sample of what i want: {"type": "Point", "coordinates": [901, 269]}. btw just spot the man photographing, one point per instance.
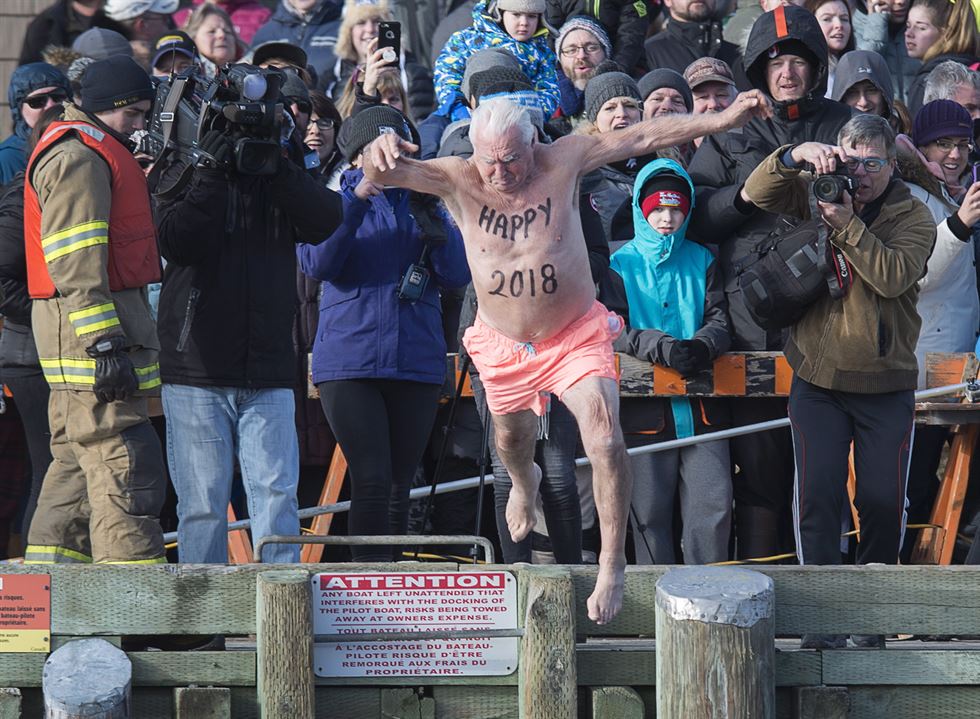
{"type": "Point", "coordinates": [853, 357]}
{"type": "Point", "coordinates": [91, 250]}
{"type": "Point", "coordinates": [539, 329]}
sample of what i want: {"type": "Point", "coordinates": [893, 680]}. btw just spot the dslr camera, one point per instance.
{"type": "Point", "coordinates": [831, 188]}
{"type": "Point", "coordinates": [242, 101]}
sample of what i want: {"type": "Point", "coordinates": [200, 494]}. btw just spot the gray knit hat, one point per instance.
{"type": "Point", "coordinates": [665, 77]}
{"type": "Point", "coordinates": [591, 26]}
{"type": "Point", "coordinates": [528, 6]}
{"type": "Point", "coordinates": [99, 43]}
{"type": "Point", "coordinates": [370, 123]}
{"type": "Point", "coordinates": [485, 60]}
{"type": "Point", "coordinates": [605, 87]}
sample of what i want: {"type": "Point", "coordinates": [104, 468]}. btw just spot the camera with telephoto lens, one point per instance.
{"type": "Point", "coordinates": [831, 188]}
{"type": "Point", "coordinates": [242, 101]}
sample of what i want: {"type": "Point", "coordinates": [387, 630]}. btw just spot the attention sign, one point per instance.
{"type": "Point", "coordinates": [414, 602]}
{"type": "Point", "coordinates": [25, 613]}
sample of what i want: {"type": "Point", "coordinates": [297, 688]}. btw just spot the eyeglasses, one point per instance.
{"type": "Point", "coordinates": [38, 102]}
{"type": "Point", "coordinates": [871, 164]}
{"type": "Point", "coordinates": [324, 124]}
{"type": "Point", "coordinates": [590, 48]}
{"type": "Point", "coordinates": [947, 146]}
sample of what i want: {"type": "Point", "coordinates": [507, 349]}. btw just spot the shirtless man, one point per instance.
{"type": "Point", "coordinates": [539, 328]}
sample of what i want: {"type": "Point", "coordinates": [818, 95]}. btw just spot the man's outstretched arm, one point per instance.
{"type": "Point", "coordinates": [648, 136]}
{"type": "Point", "coordinates": [387, 161]}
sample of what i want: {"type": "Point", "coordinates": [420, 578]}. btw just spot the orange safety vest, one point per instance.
{"type": "Point", "coordinates": [134, 260]}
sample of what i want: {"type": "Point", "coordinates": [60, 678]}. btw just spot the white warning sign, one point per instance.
{"type": "Point", "coordinates": [414, 602]}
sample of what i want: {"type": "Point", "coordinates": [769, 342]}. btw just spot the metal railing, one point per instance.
{"type": "Point", "coordinates": [972, 391]}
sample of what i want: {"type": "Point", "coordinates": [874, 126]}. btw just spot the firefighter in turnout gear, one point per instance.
{"type": "Point", "coordinates": [91, 250]}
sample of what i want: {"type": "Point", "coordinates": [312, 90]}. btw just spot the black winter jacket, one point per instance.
{"type": "Point", "coordinates": [681, 43]}
{"type": "Point", "coordinates": [18, 353]}
{"type": "Point", "coordinates": [59, 25]}
{"type": "Point", "coordinates": [626, 22]}
{"type": "Point", "coordinates": [229, 288]}
{"type": "Point", "coordinates": [918, 88]}
{"type": "Point", "coordinates": [723, 162]}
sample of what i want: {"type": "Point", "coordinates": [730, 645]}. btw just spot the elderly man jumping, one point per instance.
{"type": "Point", "coordinates": [540, 329]}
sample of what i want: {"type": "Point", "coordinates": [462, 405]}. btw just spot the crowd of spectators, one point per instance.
{"type": "Point", "coordinates": [261, 270]}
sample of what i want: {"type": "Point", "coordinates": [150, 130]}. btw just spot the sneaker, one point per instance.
{"type": "Point", "coordinates": [868, 641]}
{"type": "Point", "coordinates": [823, 641]}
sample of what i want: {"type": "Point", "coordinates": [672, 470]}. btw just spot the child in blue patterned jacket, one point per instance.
{"type": "Point", "coordinates": [517, 26]}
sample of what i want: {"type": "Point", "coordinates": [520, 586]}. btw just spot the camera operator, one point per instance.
{"type": "Point", "coordinates": [91, 251]}
{"type": "Point", "coordinates": [853, 357]}
{"type": "Point", "coordinates": [225, 323]}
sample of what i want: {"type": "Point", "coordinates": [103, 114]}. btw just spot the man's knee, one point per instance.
{"type": "Point", "coordinates": [510, 439]}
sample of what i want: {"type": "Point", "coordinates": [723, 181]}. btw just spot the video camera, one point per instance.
{"type": "Point", "coordinates": [242, 101]}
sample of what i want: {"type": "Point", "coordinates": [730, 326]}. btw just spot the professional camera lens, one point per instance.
{"type": "Point", "coordinates": [830, 188]}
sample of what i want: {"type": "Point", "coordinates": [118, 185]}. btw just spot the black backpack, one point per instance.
{"type": "Point", "coordinates": [790, 270]}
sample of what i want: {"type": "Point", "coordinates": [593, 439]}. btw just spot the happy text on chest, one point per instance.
{"type": "Point", "coordinates": [511, 226]}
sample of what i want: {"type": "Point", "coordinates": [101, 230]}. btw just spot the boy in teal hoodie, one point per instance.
{"type": "Point", "coordinates": [671, 293]}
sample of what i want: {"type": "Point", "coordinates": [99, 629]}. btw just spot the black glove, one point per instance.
{"type": "Point", "coordinates": [217, 151]}
{"type": "Point", "coordinates": [679, 358]}
{"type": "Point", "coordinates": [700, 355]}
{"type": "Point", "coordinates": [115, 377]}
{"type": "Point", "coordinates": [425, 209]}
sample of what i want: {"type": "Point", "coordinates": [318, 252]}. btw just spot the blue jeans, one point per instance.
{"type": "Point", "coordinates": [207, 427]}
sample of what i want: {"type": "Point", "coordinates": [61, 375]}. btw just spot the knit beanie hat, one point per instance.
{"type": "Point", "coordinates": [497, 80]}
{"type": "Point", "coordinates": [941, 118]}
{"type": "Point", "coordinates": [527, 6]}
{"type": "Point", "coordinates": [665, 189]}
{"type": "Point", "coordinates": [484, 60]}
{"type": "Point", "coordinates": [665, 77]}
{"type": "Point", "coordinates": [590, 25]}
{"type": "Point", "coordinates": [114, 82]}
{"type": "Point", "coordinates": [370, 123]}
{"type": "Point", "coordinates": [99, 43]}
{"type": "Point", "coordinates": [604, 87]}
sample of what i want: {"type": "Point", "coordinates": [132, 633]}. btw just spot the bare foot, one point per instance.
{"type": "Point", "coordinates": [520, 507]}
{"type": "Point", "coordinates": [607, 598]}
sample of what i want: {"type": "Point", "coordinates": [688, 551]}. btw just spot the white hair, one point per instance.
{"type": "Point", "coordinates": [943, 82]}
{"type": "Point", "coordinates": [497, 116]}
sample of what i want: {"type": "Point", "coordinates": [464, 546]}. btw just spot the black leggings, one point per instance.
{"type": "Point", "coordinates": [383, 427]}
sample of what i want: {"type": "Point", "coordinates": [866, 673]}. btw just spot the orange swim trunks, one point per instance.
{"type": "Point", "coordinates": [521, 375]}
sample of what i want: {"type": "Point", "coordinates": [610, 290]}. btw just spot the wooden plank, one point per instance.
{"type": "Point", "coordinates": [821, 702]}
{"type": "Point", "coordinates": [284, 645]}
{"type": "Point", "coordinates": [901, 667]}
{"type": "Point", "coordinates": [239, 545]}
{"type": "Point", "coordinates": [620, 702]}
{"type": "Point", "coordinates": [918, 702]}
{"type": "Point", "coordinates": [202, 703]}
{"type": "Point", "coordinates": [944, 368]}
{"type": "Point", "coordinates": [405, 703]}
{"type": "Point", "coordinates": [484, 703]}
{"type": "Point", "coordinates": [844, 600]}
{"type": "Point", "coordinates": [356, 703]}
{"type": "Point", "coordinates": [169, 669]}
{"type": "Point", "coordinates": [171, 598]}
{"type": "Point", "coordinates": [10, 703]}
{"type": "Point", "coordinates": [330, 493]}
{"type": "Point", "coordinates": [547, 681]}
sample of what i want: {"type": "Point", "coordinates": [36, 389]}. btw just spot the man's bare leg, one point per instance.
{"type": "Point", "coordinates": [595, 403]}
{"type": "Point", "coordinates": [515, 435]}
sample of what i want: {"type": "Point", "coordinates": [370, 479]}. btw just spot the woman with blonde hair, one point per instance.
{"type": "Point", "coordinates": [936, 31]}
{"type": "Point", "coordinates": [360, 63]}
{"type": "Point", "coordinates": [213, 32]}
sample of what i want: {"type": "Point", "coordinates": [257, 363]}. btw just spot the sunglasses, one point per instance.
{"type": "Point", "coordinates": [38, 102]}
{"type": "Point", "coordinates": [302, 106]}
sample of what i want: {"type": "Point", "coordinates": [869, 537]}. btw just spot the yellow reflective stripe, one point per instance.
{"type": "Point", "coordinates": [156, 560]}
{"type": "Point", "coordinates": [92, 319]}
{"type": "Point", "coordinates": [53, 550]}
{"type": "Point", "coordinates": [71, 370]}
{"type": "Point", "coordinates": [75, 238]}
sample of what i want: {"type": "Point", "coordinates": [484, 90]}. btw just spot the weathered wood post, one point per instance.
{"type": "Point", "coordinates": [548, 680]}
{"type": "Point", "coordinates": [87, 678]}
{"type": "Point", "coordinates": [284, 645]}
{"type": "Point", "coordinates": [715, 644]}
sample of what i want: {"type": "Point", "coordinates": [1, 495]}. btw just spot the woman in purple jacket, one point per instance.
{"type": "Point", "coordinates": [380, 358]}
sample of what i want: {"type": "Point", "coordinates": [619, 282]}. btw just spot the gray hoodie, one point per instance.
{"type": "Point", "coordinates": [858, 65]}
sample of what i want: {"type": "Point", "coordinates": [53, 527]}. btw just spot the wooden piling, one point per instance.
{"type": "Point", "coordinates": [715, 644]}
{"type": "Point", "coordinates": [284, 645]}
{"type": "Point", "coordinates": [547, 683]}
{"type": "Point", "coordinates": [87, 678]}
